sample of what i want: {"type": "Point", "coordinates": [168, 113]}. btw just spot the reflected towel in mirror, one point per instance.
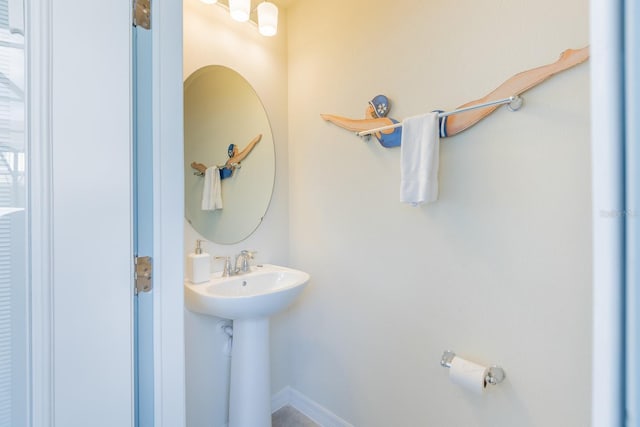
{"type": "Point", "coordinates": [212, 190]}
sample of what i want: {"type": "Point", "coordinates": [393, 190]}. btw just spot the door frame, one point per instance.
{"type": "Point", "coordinates": [613, 217]}
{"type": "Point", "coordinates": [168, 199]}
{"type": "Point", "coordinates": [38, 133]}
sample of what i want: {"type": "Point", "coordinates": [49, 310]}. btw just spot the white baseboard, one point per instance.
{"type": "Point", "coordinates": [319, 414]}
{"type": "Point", "coordinates": [281, 399]}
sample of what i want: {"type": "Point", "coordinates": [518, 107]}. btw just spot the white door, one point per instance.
{"type": "Point", "coordinates": [91, 213]}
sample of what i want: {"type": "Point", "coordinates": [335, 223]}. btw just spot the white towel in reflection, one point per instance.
{"type": "Point", "coordinates": [212, 190]}
{"type": "Point", "coordinates": [419, 157]}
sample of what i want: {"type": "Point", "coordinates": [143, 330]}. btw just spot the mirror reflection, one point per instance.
{"type": "Point", "coordinates": [228, 153]}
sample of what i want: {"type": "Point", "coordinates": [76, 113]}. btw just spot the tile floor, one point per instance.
{"type": "Point", "coordinates": [290, 417]}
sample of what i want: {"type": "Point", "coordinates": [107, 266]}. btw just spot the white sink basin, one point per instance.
{"type": "Point", "coordinates": [266, 290]}
{"type": "Point", "coordinates": [248, 299]}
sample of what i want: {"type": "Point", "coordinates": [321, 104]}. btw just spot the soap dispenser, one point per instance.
{"type": "Point", "coordinates": [198, 265]}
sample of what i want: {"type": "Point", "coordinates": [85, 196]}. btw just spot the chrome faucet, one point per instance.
{"type": "Point", "coordinates": [242, 262]}
{"type": "Point", "coordinates": [227, 271]}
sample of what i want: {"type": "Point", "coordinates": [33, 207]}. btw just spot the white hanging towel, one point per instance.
{"type": "Point", "coordinates": [419, 159]}
{"type": "Point", "coordinates": [212, 190]}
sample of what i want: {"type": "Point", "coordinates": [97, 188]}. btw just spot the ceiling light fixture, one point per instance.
{"type": "Point", "coordinates": [240, 10]}
{"type": "Point", "coordinates": [267, 19]}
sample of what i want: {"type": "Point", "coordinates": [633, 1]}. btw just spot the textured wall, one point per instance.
{"type": "Point", "coordinates": [497, 270]}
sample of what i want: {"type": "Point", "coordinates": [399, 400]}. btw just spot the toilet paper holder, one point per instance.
{"type": "Point", "coordinates": [495, 374]}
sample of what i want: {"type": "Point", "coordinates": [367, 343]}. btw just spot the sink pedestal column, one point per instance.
{"type": "Point", "coordinates": [250, 390]}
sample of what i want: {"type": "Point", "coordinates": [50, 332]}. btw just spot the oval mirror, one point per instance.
{"type": "Point", "coordinates": [226, 127]}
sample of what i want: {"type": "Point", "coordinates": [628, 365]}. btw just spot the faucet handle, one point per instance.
{"type": "Point", "coordinates": [242, 261]}
{"type": "Point", "coordinates": [226, 272]}
{"type": "Point", "coordinates": [248, 254]}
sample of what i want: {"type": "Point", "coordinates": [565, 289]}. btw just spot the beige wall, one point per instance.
{"type": "Point", "coordinates": [497, 270]}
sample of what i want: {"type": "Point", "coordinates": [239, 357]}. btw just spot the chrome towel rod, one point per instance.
{"type": "Point", "coordinates": [515, 102]}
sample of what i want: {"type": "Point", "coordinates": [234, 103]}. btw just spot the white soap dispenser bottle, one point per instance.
{"type": "Point", "coordinates": [198, 265]}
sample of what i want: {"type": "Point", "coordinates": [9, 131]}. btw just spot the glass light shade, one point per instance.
{"type": "Point", "coordinates": [267, 18]}
{"type": "Point", "coordinates": [240, 9]}
{"type": "Point", "coordinates": [209, 1]}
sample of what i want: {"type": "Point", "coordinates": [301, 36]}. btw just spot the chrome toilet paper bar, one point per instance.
{"type": "Point", "coordinates": [495, 374]}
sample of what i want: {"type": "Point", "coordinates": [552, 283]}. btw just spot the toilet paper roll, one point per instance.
{"type": "Point", "coordinates": [468, 375]}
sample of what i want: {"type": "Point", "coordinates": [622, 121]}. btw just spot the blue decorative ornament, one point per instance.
{"type": "Point", "coordinates": [231, 149]}
{"type": "Point", "coordinates": [392, 139]}
{"type": "Point", "coordinates": [225, 173]}
{"type": "Point", "coordinates": [380, 104]}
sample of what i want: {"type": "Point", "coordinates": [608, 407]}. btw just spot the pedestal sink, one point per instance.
{"type": "Point", "coordinates": [249, 300]}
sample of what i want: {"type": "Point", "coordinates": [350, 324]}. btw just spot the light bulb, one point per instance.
{"type": "Point", "coordinates": [267, 18]}
{"type": "Point", "coordinates": [240, 9]}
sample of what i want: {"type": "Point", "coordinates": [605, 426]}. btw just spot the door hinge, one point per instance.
{"type": "Point", "coordinates": [143, 275]}
{"type": "Point", "coordinates": [142, 13]}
